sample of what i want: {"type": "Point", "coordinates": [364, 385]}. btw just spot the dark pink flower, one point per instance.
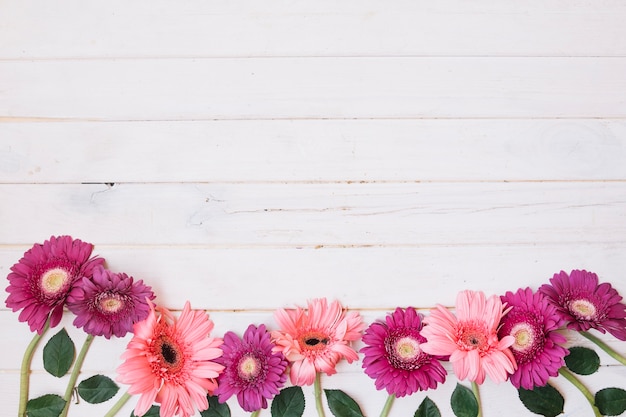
{"type": "Point", "coordinates": [532, 321]}
{"type": "Point", "coordinates": [40, 282]}
{"type": "Point", "coordinates": [109, 303]}
{"type": "Point", "coordinates": [252, 371]}
{"type": "Point", "coordinates": [394, 358]}
{"type": "Point", "coordinates": [585, 304]}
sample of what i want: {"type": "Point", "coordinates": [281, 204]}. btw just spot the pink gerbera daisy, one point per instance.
{"type": "Point", "coordinates": [532, 321]}
{"type": "Point", "coordinates": [109, 303]}
{"type": "Point", "coordinates": [394, 358]}
{"type": "Point", "coordinates": [470, 338]}
{"type": "Point", "coordinates": [317, 339]}
{"type": "Point", "coordinates": [40, 282]}
{"type": "Point", "coordinates": [252, 371]}
{"type": "Point", "coordinates": [585, 304]}
{"type": "Point", "coordinates": [171, 361]}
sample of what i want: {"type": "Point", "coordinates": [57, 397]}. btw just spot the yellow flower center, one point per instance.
{"type": "Point", "coordinates": [248, 367]}
{"type": "Point", "coordinates": [407, 349]}
{"type": "Point", "coordinates": [524, 336]}
{"type": "Point", "coordinates": [584, 309]}
{"type": "Point", "coordinates": [54, 280]}
{"type": "Point", "coordinates": [111, 304]}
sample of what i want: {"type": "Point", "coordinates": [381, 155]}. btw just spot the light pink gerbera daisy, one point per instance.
{"type": "Point", "coordinates": [109, 303]}
{"type": "Point", "coordinates": [532, 321]}
{"type": "Point", "coordinates": [585, 304]}
{"type": "Point", "coordinates": [40, 282]}
{"type": "Point", "coordinates": [471, 337]}
{"type": "Point", "coordinates": [316, 340]}
{"type": "Point", "coordinates": [171, 362]}
{"type": "Point", "coordinates": [394, 358]}
{"type": "Point", "coordinates": [253, 372]}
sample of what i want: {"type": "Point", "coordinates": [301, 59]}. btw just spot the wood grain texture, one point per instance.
{"type": "Point", "coordinates": [248, 156]}
{"type": "Point", "coordinates": [296, 88]}
{"type": "Point", "coordinates": [313, 151]}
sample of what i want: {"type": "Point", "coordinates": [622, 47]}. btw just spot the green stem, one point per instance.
{"type": "Point", "coordinates": [477, 395]}
{"type": "Point", "coordinates": [317, 391]}
{"type": "Point", "coordinates": [118, 405]}
{"type": "Point", "coordinates": [25, 369]}
{"type": "Point", "coordinates": [74, 375]}
{"type": "Point", "coordinates": [588, 395]}
{"type": "Point", "coordinates": [254, 413]}
{"type": "Point", "coordinates": [388, 404]}
{"type": "Point", "coordinates": [612, 353]}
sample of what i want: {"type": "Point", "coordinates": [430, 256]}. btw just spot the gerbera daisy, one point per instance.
{"type": "Point", "coordinates": [394, 358]}
{"type": "Point", "coordinates": [532, 321]}
{"type": "Point", "coordinates": [470, 337]}
{"type": "Point", "coordinates": [171, 361]}
{"type": "Point", "coordinates": [585, 304]}
{"type": "Point", "coordinates": [109, 303]}
{"type": "Point", "coordinates": [252, 371]}
{"type": "Point", "coordinates": [316, 340]}
{"type": "Point", "coordinates": [40, 282]}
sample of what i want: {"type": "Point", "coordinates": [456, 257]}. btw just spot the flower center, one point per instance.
{"type": "Point", "coordinates": [407, 349]}
{"type": "Point", "coordinates": [54, 280]}
{"type": "Point", "coordinates": [472, 336]}
{"type": "Point", "coordinates": [249, 367]}
{"type": "Point", "coordinates": [313, 341]}
{"type": "Point", "coordinates": [583, 309]}
{"type": "Point", "coordinates": [169, 357]}
{"type": "Point", "coordinates": [110, 303]}
{"type": "Point", "coordinates": [524, 335]}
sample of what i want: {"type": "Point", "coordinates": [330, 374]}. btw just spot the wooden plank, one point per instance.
{"type": "Point", "coordinates": [313, 150]}
{"type": "Point", "coordinates": [241, 215]}
{"type": "Point", "coordinates": [36, 29]}
{"type": "Point", "coordinates": [365, 278]}
{"type": "Point", "coordinates": [343, 88]}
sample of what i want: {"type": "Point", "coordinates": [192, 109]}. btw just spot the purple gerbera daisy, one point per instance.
{"type": "Point", "coordinates": [252, 370]}
{"type": "Point", "coordinates": [109, 303]}
{"type": "Point", "coordinates": [393, 357]}
{"type": "Point", "coordinates": [585, 304]}
{"type": "Point", "coordinates": [40, 282]}
{"type": "Point", "coordinates": [532, 321]}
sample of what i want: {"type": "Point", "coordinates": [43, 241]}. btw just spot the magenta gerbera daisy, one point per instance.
{"type": "Point", "coordinates": [170, 361]}
{"type": "Point", "coordinates": [470, 338]}
{"type": "Point", "coordinates": [532, 322]}
{"type": "Point", "coordinates": [585, 304]}
{"type": "Point", "coordinates": [394, 358]}
{"type": "Point", "coordinates": [315, 340]}
{"type": "Point", "coordinates": [40, 282]}
{"type": "Point", "coordinates": [252, 371]}
{"type": "Point", "coordinates": [109, 303]}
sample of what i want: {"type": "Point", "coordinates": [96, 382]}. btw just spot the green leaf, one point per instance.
{"type": "Point", "coordinates": [154, 411]}
{"type": "Point", "coordinates": [582, 360]}
{"type": "Point", "coordinates": [97, 389]}
{"type": "Point", "coordinates": [341, 404]}
{"type": "Point", "coordinates": [427, 409]}
{"type": "Point", "coordinates": [49, 405]}
{"type": "Point", "coordinates": [216, 409]}
{"type": "Point", "coordinates": [611, 401]}
{"type": "Point", "coordinates": [288, 403]}
{"type": "Point", "coordinates": [58, 354]}
{"type": "Point", "coordinates": [546, 400]}
{"type": "Point", "coordinates": [463, 402]}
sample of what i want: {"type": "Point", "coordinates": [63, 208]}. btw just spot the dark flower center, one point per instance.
{"type": "Point", "coordinates": [169, 353]}
{"type": "Point", "coordinates": [313, 341]}
{"type": "Point", "coordinates": [472, 335]}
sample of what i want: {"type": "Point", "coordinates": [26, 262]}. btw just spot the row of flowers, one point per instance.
{"type": "Point", "coordinates": [176, 367]}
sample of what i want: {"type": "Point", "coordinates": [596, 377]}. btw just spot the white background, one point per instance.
{"type": "Point", "coordinates": [247, 155]}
